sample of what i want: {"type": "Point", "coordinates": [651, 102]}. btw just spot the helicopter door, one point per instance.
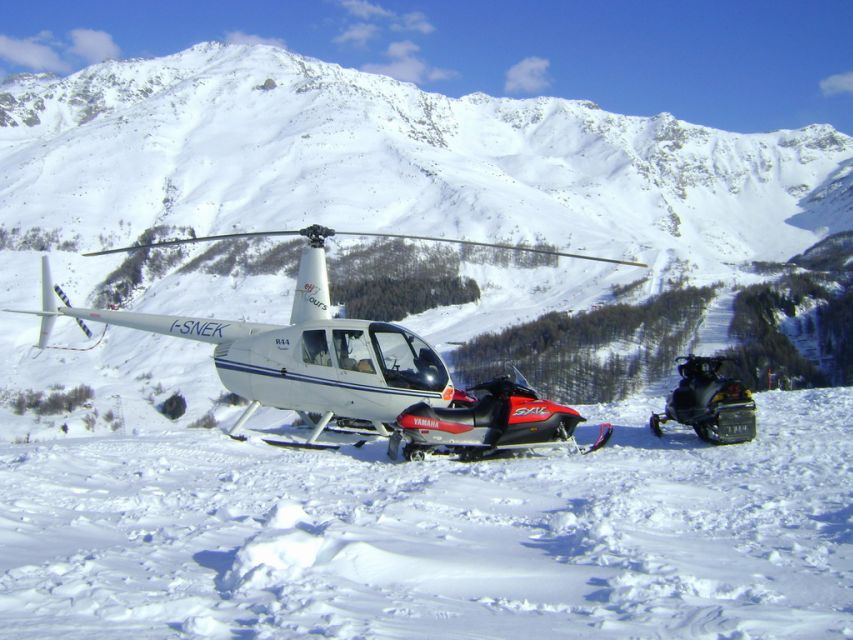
{"type": "Point", "coordinates": [407, 361]}
{"type": "Point", "coordinates": [355, 359]}
{"type": "Point", "coordinates": [315, 348]}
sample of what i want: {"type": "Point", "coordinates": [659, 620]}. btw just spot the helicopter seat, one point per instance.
{"type": "Point", "coordinates": [365, 365]}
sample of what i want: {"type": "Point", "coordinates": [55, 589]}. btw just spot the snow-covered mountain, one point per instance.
{"type": "Point", "coordinates": [253, 136]}
{"type": "Point", "coordinates": [147, 529]}
{"type": "Point", "coordinates": [223, 138]}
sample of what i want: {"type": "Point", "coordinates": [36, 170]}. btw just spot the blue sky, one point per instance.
{"type": "Point", "coordinates": [747, 65]}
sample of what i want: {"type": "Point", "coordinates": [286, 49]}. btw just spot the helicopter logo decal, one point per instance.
{"type": "Point", "coordinates": [310, 292]}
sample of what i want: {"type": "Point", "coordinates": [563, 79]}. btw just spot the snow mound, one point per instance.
{"type": "Point", "coordinates": [280, 553]}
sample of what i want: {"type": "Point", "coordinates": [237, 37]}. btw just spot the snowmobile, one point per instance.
{"type": "Point", "coordinates": [720, 410]}
{"type": "Point", "coordinates": [507, 415]}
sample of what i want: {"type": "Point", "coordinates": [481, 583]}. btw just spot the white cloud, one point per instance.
{"type": "Point", "coordinates": [528, 76]}
{"type": "Point", "coordinates": [415, 21]}
{"type": "Point", "coordinates": [839, 83]}
{"type": "Point", "coordinates": [406, 66]}
{"type": "Point", "coordinates": [403, 49]}
{"type": "Point", "coordinates": [358, 34]}
{"type": "Point", "coordinates": [32, 54]}
{"type": "Point", "coordinates": [238, 37]}
{"type": "Point", "coordinates": [93, 46]}
{"type": "Point", "coordinates": [365, 10]}
{"type": "Point", "coordinates": [434, 74]}
{"type": "Point", "coordinates": [371, 14]}
{"type": "Point", "coordinates": [406, 69]}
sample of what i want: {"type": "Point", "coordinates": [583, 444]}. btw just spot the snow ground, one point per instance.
{"type": "Point", "coordinates": [188, 534]}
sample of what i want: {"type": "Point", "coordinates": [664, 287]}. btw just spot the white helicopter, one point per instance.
{"type": "Point", "coordinates": [318, 364]}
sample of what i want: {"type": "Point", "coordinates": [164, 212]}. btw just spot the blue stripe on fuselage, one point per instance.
{"type": "Point", "coordinates": [298, 377]}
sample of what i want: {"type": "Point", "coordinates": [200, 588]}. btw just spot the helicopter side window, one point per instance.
{"type": "Point", "coordinates": [353, 350]}
{"type": "Point", "coordinates": [315, 348]}
{"type": "Point", "coordinates": [408, 362]}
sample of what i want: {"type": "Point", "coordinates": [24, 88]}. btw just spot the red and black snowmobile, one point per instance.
{"type": "Point", "coordinates": [720, 409]}
{"type": "Point", "coordinates": [508, 415]}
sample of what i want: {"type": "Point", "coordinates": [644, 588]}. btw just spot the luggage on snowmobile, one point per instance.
{"type": "Point", "coordinates": [508, 416]}
{"type": "Point", "coordinates": [720, 410]}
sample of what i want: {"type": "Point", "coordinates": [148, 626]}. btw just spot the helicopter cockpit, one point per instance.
{"type": "Point", "coordinates": [407, 361]}
{"type": "Point", "coordinates": [403, 359]}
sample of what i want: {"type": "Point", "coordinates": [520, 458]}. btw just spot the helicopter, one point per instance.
{"type": "Point", "coordinates": [318, 366]}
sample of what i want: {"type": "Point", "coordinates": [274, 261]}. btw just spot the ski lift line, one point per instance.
{"type": "Point", "coordinates": [318, 234]}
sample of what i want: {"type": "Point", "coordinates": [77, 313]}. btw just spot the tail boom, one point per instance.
{"type": "Point", "coordinates": [201, 329]}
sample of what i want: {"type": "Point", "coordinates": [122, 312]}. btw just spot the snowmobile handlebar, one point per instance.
{"type": "Point", "coordinates": [504, 386]}
{"type": "Point", "coordinates": [701, 358]}
{"type": "Point", "coordinates": [692, 365]}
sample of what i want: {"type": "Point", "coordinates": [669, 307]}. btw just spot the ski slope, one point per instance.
{"type": "Point", "coordinates": [151, 533]}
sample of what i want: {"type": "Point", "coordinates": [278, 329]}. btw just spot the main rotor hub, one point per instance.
{"type": "Point", "coordinates": [317, 235]}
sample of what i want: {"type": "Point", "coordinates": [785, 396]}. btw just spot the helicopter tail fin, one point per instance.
{"type": "Point", "coordinates": [312, 300]}
{"type": "Point", "coordinates": [49, 309]}
{"type": "Point", "coordinates": [48, 304]}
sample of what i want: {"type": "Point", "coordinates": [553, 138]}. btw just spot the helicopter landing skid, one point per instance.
{"type": "Point", "coordinates": [309, 445]}
{"type": "Point", "coordinates": [292, 444]}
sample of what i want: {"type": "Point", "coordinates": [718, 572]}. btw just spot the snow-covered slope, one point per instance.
{"type": "Point", "coordinates": [188, 534]}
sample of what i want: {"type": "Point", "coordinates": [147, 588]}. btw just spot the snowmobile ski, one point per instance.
{"type": "Point", "coordinates": [605, 431]}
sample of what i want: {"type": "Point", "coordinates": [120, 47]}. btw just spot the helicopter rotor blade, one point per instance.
{"type": "Point", "coordinates": [317, 233]}
{"type": "Point", "coordinates": [173, 243]}
{"type": "Point", "coordinates": [492, 245]}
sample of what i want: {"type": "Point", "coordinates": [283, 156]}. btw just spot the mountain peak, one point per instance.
{"type": "Point", "coordinates": [254, 130]}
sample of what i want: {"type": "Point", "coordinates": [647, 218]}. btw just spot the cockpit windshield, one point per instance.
{"type": "Point", "coordinates": [407, 362]}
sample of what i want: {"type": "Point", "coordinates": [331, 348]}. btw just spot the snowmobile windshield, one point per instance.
{"type": "Point", "coordinates": [407, 362]}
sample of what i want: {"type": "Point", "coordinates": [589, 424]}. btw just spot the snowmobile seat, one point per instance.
{"type": "Point", "coordinates": [480, 415]}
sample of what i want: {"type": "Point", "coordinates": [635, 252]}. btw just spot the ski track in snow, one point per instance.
{"type": "Point", "coordinates": [189, 534]}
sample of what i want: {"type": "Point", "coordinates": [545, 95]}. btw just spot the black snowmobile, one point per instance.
{"type": "Point", "coordinates": [721, 410]}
